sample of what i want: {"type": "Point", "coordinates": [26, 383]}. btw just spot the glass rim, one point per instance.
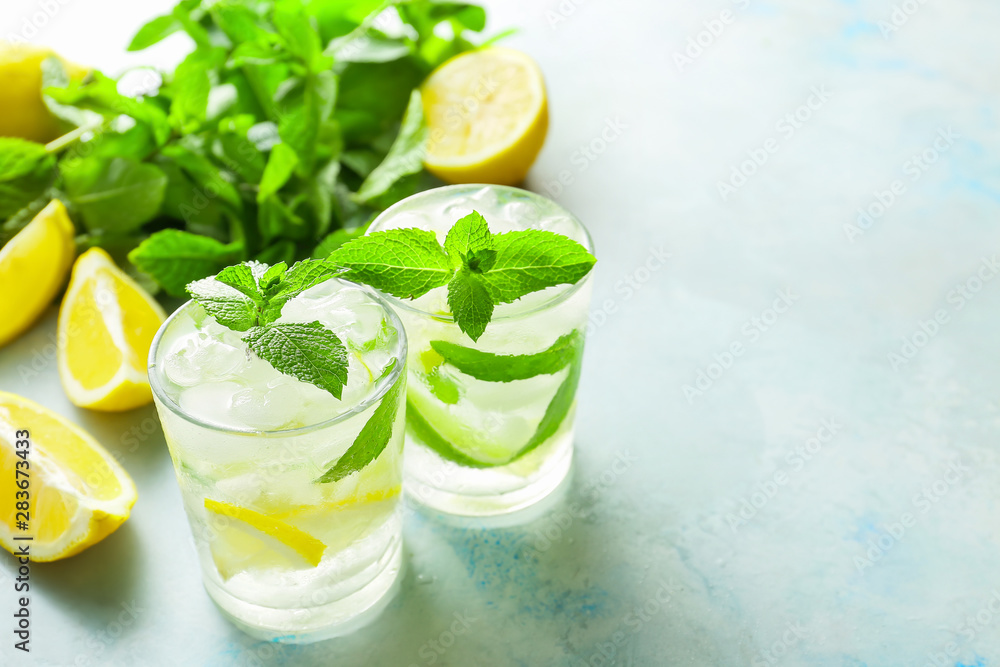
{"type": "Point", "coordinates": [563, 295]}
{"type": "Point", "coordinates": [160, 394]}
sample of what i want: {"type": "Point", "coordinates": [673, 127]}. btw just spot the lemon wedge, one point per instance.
{"type": "Point", "coordinates": [106, 325]}
{"type": "Point", "coordinates": [33, 266]}
{"type": "Point", "coordinates": [77, 494]}
{"type": "Point", "coordinates": [487, 116]}
{"type": "Point", "coordinates": [259, 541]}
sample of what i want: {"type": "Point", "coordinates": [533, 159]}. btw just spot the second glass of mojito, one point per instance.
{"type": "Point", "coordinates": [490, 421]}
{"type": "Point", "coordinates": [292, 493]}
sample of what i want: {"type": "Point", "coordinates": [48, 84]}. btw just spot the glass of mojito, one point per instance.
{"type": "Point", "coordinates": [282, 397]}
{"type": "Point", "coordinates": [495, 319]}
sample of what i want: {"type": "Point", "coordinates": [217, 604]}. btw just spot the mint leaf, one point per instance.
{"type": "Point", "coordinates": [302, 276]}
{"type": "Point", "coordinates": [443, 388]}
{"type": "Point", "coordinates": [334, 240]}
{"type": "Point", "coordinates": [308, 352]}
{"type": "Point", "coordinates": [226, 304]}
{"type": "Point", "coordinates": [490, 367]}
{"type": "Point", "coordinates": [241, 279]}
{"type": "Point", "coordinates": [374, 435]}
{"type": "Point", "coordinates": [531, 260]}
{"type": "Point", "coordinates": [427, 436]}
{"type": "Point", "coordinates": [175, 258]}
{"type": "Point", "coordinates": [280, 165]}
{"type": "Point", "coordinates": [154, 31]}
{"type": "Point", "coordinates": [405, 263]}
{"type": "Point", "coordinates": [470, 303]}
{"type": "Point", "coordinates": [115, 195]}
{"type": "Point", "coordinates": [556, 410]}
{"type": "Point", "coordinates": [272, 277]}
{"type": "Point", "coordinates": [468, 238]}
{"type": "Point", "coordinates": [405, 157]}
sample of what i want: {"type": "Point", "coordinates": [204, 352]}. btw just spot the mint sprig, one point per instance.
{"type": "Point", "coordinates": [249, 298]}
{"type": "Point", "coordinates": [481, 269]}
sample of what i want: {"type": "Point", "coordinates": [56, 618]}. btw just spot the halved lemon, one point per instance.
{"type": "Point", "coordinates": [33, 266]}
{"type": "Point", "coordinates": [75, 493]}
{"type": "Point", "coordinates": [259, 541]}
{"type": "Point", "coordinates": [487, 117]}
{"type": "Point", "coordinates": [106, 325]}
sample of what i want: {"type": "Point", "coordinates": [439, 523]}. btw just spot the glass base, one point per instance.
{"type": "Point", "coordinates": [447, 487]}
{"type": "Point", "coordinates": [313, 624]}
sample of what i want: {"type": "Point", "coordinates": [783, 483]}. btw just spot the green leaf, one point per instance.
{"type": "Point", "coordinates": [468, 236]}
{"type": "Point", "coordinates": [272, 277]}
{"type": "Point", "coordinates": [368, 47]}
{"type": "Point", "coordinates": [280, 166]}
{"type": "Point", "coordinates": [300, 37]}
{"type": "Point", "coordinates": [226, 304]}
{"type": "Point", "coordinates": [470, 303]}
{"type": "Point", "coordinates": [241, 279]}
{"type": "Point", "coordinates": [308, 352]}
{"type": "Point", "coordinates": [190, 87]}
{"type": "Point", "coordinates": [405, 157]}
{"type": "Point", "coordinates": [26, 172]}
{"type": "Point", "coordinates": [531, 260]}
{"type": "Point", "coordinates": [556, 410]}
{"type": "Point", "coordinates": [374, 435]}
{"type": "Point", "coordinates": [490, 367]}
{"type": "Point", "coordinates": [19, 157]}
{"type": "Point", "coordinates": [175, 258]}
{"type": "Point", "coordinates": [443, 388]}
{"type": "Point", "coordinates": [405, 263]}
{"type": "Point", "coordinates": [302, 276]}
{"type": "Point", "coordinates": [334, 240]}
{"type": "Point", "coordinates": [117, 194]}
{"type": "Point", "coordinates": [205, 173]}
{"type": "Point", "coordinates": [427, 436]}
{"type": "Point", "coordinates": [154, 31]}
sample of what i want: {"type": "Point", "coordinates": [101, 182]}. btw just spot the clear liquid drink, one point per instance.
{"type": "Point", "coordinates": [285, 556]}
{"type": "Point", "coordinates": [482, 440]}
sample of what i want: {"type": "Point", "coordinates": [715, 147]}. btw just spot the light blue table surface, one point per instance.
{"type": "Point", "coordinates": [812, 500]}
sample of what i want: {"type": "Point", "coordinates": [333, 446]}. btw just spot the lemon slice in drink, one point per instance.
{"type": "Point", "coordinates": [106, 325]}
{"type": "Point", "coordinates": [77, 493]}
{"type": "Point", "coordinates": [258, 541]}
{"type": "Point", "coordinates": [487, 117]}
{"type": "Point", "coordinates": [33, 266]}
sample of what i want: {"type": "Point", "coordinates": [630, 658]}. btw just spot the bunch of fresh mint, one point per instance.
{"type": "Point", "coordinates": [249, 298]}
{"type": "Point", "coordinates": [282, 133]}
{"type": "Point", "coordinates": [481, 269]}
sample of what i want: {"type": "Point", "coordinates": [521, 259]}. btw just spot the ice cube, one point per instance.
{"type": "Point", "coordinates": [516, 215]}
{"type": "Point", "coordinates": [560, 224]}
{"type": "Point", "coordinates": [210, 402]}
{"type": "Point", "coordinates": [268, 408]}
{"type": "Point", "coordinates": [199, 357]}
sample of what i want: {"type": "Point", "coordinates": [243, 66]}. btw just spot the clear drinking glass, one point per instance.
{"type": "Point", "coordinates": [285, 557]}
{"type": "Point", "coordinates": [480, 447]}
